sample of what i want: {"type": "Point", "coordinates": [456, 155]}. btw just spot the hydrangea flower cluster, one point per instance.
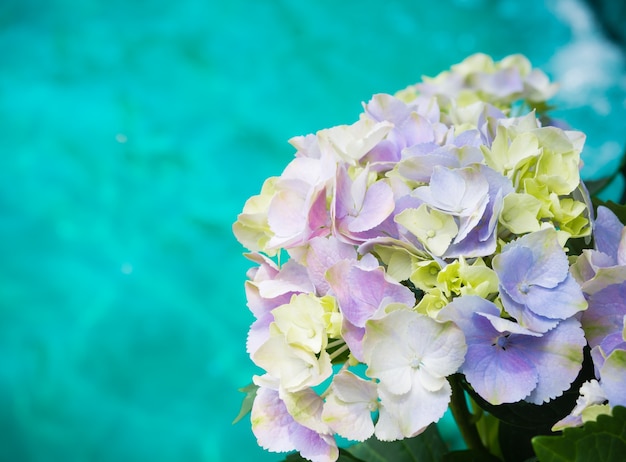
{"type": "Point", "coordinates": [430, 238]}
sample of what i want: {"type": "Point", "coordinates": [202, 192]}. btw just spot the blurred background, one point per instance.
{"type": "Point", "coordinates": [131, 134]}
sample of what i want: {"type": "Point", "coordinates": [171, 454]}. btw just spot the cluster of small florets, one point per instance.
{"type": "Point", "coordinates": [430, 238]}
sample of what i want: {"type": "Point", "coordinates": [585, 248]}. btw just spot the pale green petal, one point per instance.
{"type": "Point", "coordinates": [305, 407]}
{"type": "Point", "coordinates": [295, 368]}
{"type": "Point", "coordinates": [251, 228]}
{"type": "Point", "coordinates": [432, 302]}
{"type": "Point", "coordinates": [516, 61]}
{"type": "Point", "coordinates": [424, 275]}
{"type": "Point", "coordinates": [351, 142]}
{"type": "Point", "coordinates": [519, 213]}
{"type": "Point", "coordinates": [523, 146]}
{"type": "Point", "coordinates": [349, 405]}
{"type": "Point", "coordinates": [434, 229]}
{"type": "Point", "coordinates": [302, 322]}
{"type": "Point", "coordinates": [478, 279]}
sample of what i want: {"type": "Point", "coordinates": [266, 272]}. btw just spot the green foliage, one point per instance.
{"type": "Point", "coordinates": [426, 447]}
{"type": "Point", "coordinates": [600, 441]}
{"type": "Point", "coordinates": [248, 400]}
{"type": "Point", "coordinates": [469, 456]}
{"type": "Point", "coordinates": [487, 427]}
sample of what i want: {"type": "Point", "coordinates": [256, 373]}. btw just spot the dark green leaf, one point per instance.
{"type": "Point", "coordinates": [600, 441]}
{"type": "Point", "coordinates": [488, 429]}
{"type": "Point", "coordinates": [246, 405]}
{"type": "Point", "coordinates": [469, 456]}
{"type": "Point", "coordinates": [516, 442]}
{"type": "Point", "coordinates": [595, 187]}
{"type": "Point", "coordinates": [426, 447]}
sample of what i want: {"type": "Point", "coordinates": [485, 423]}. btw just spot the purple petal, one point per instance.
{"type": "Point", "coordinates": [321, 255]}
{"type": "Point", "coordinates": [292, 278]}
{"type": "Point", "coordinates": [499, 375]}
{"type": "Point", "coordinates": [512, 269]}
{"type": "Point", "coordinates": [526, 317]}
{"type": "Point", "coordinates": [613, 378]}
{"type": "Point", "coordinates": [563, 301]}
{"type": "Point", "coordinates": [358, 292]}
{"type": "Point", "coordinates": [607, 232]}
{"type": "Point", "coordinates": [277, 431]}
{"type": "Point", "coordinates": [605, 314]}
{"type": "Point", "coordinates": [557, 356]}
{"type": "Point", "coordinates": [361, 292]}
{"type": "Point", "coordinates": [377, 205]}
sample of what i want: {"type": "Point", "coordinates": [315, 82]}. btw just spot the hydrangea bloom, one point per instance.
{"type": "Point", "coordinates": [430, 238]}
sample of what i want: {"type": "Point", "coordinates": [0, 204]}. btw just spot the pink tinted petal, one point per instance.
{"type": "Point", "coordinates": [353, 336]}
{"type": "Point", "coordinates": [377, 206]}
{"type": "Point", "coordinates": [318, 217]}
{"type": "Point", "coordinates": [292, 278]}
{"type": "Point", "coordinates": [315, 446]}
{"type": "Point", "coordinates": [361, 292]}
{"type": "Point", "coordinates": [321, 255]}
{"type": "Point", "coordinates": [271, 423]}
{"type": "Point", "coordinates": [358, 292]}
{"type": "Point", "coordinates": [277, 431]}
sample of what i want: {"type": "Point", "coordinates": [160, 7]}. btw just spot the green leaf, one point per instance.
{"type": "Point", "coordinates": [516, 442]}
{"type": "Point", "coordinates": [601, 441]}
{"type": "Point", "coordinates": [487, 427]}
{"type": "Point", "coordinates": [595, 187]}
{"type": "Point", "coordinates": [428, 446]}
{"type": "Point", "coordinates": [248, 400]}
{"type": "Point", "coordinates": [469, 456]}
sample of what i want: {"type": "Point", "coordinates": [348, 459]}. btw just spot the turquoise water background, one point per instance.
{"type": "Point", "coordinates": [131, 134]}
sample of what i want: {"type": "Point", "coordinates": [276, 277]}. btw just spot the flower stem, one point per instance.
{"type": "Point", "coordinates": [335, 343]}
{"type": "Point", "coordinates": [463, 417]}
{"type": "Point", "coordinates": [338, 351]}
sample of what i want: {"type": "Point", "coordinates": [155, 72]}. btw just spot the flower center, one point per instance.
{"type": "Point", "coordinates": [502, 341]}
